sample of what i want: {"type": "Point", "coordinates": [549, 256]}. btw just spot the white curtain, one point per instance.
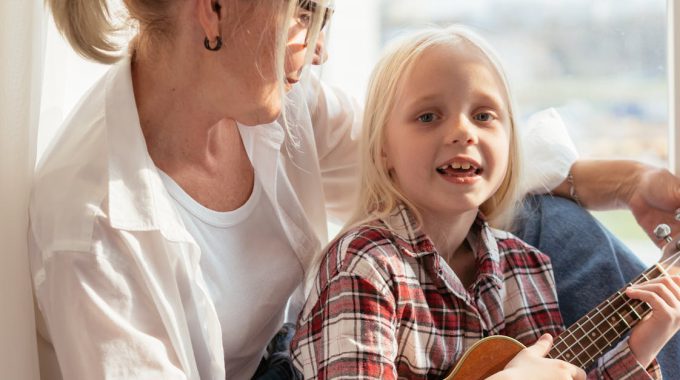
{"type": "Point", "coordinates": [21, 63]}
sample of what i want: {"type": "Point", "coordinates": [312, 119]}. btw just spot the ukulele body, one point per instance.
{"type": "Point", "coordinates": [490, 355]}
{"type": "Point", "coordinates": [485, 358]}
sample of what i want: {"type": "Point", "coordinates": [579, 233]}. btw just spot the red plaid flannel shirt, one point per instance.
{"type": "Point", "coordinates": [385, 305]}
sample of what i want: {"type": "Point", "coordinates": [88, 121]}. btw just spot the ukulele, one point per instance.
{"type": "Point", "coordinates": [583, 342]}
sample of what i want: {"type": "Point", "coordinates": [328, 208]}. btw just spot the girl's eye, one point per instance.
{"type": "Point", "coordinates": [483, 117]}
{"type": "Point", "coordinates": [427, 117]}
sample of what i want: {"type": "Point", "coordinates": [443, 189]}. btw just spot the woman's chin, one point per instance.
{"type": "Point", "coordinates": [264, 115]}
{"type": "Point", "coordinates": [272, 113]}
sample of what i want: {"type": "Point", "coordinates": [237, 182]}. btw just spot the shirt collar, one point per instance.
{"type": "Point", "coordinates": [484, 244]}
{"type": "Point", "coordinates": [413, 242]}
{"type": "Point", "coordinates": [138, 200]}
{"type": "Point", "coordinates": [404, 226]}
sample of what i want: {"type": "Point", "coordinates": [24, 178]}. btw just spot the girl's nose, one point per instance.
{"type": "Point", "coordinates": [462, 132]}
{"type": "Point", "coordinates": [469, 140]}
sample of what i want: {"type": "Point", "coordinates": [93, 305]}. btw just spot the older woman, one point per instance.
{"type": "Point", "coordinates": [184, 199]}
{"type": "Point", "coordinates": [167, 235]}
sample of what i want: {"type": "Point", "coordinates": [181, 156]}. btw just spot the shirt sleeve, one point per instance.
{"type": "Point", "coordinates": [349, 331]}
{"type": "Point", "coordinates": [620, 363]}
{"type": "Point", "coordinates": [100, 318]}
{"type": "Point", "coordinates": [337, 119]}
{"type": "Point", "coordinates": [547, 152]}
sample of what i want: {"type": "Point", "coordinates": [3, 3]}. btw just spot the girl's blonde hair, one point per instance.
{"type": "Point", "coordinates": [378, 195]}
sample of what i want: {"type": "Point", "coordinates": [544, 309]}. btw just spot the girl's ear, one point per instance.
{"type": "Point", "coordinates": [209, 14]}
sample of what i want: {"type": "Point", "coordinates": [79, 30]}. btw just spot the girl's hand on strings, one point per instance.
{"type": "Point", "coordinates": [649, 336]}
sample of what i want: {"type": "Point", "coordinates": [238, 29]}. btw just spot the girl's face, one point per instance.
{"type": "Point", "coordinates": [447, 138]}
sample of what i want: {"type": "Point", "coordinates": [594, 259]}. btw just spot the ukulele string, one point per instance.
{"type": "Point", "coordinates": [626, 304]}
{"type": "Point", "coordinates": [667, 263]}
{"type": "Point", "coordinates": [595, 328]}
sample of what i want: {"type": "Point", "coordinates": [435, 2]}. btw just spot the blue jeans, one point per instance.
{"type": "Point", "coordinates": [279, 365]}
{"type": "Point", "coordinates": [590, 263]}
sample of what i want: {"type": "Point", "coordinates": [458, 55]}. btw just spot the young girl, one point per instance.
{"type": "Point", "coordinates": [421, 275]}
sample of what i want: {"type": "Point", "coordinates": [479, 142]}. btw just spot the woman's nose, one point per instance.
{"type": "Point", "coordinates": [320, 54]}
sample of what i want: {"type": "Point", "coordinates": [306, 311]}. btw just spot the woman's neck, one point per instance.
{"type": "Point", "coordinates": [187, 138]}
{"type": "Point", "coordinates": [171, 112]}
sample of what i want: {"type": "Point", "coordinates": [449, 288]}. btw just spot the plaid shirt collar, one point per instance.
{"type": "Point", "coordinates": [413, 242]}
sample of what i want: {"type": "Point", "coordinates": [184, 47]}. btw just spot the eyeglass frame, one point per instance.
{"type": "Point", "coordinates": [310, 6]}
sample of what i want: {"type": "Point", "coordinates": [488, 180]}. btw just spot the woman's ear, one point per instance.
{"type": "Point", "coordinates": [384, 160]}
{"type": "Point", "coordinates": [209, 14]}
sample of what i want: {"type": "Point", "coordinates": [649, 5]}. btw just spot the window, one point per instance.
{"type": "Point", "coordinates": [601, 64]}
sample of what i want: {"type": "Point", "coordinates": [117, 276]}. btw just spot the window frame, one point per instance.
{"type": "Point", "coordinates": [673, 54]}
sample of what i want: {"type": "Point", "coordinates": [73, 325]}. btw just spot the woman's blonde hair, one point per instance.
{"type": "Point", "coordinates": [90, 27]}
{"type": "Point", "coordinates": [378, 195]}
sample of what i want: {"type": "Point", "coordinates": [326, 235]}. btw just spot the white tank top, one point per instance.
{"type": "Point", "coordinates": [250, 270]}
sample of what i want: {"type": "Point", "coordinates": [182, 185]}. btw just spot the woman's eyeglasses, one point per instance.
{"type": "Point", "coordinates": [306, 9]}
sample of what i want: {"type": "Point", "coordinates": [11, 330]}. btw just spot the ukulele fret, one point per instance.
{"type": "Point", "coordinates": [565, 344]}
{"type": "Point", "coordinates": [580, 344]}
{"type": "Point", "coordinates": [631, 307]}
{"type": "Point", "coordinates": [598, 336]}
{"type": "Point", "coordinates": [588, 338]}
{"type": "Point", "coordinates": [616, 318]}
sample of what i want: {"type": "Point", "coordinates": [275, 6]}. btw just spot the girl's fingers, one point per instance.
{"type": "Point", "coordinates": [673, 285]}
{"type": "Point", "coordinates": [578, 373]}
{"type": "Point", "coordinates": [660, 290]}
{"type": "Point", "coordinates": [642, 293]}
{"type": "Point", "coordinates": [662, 278]}
{"type": "Point", "coordinates": [658, 304]}
{"type": "Point", "coordinates": [575, 373]}
{"type": "Point", "coordinates": [542, 346]}
{"type": "Point", "coordinates": [675, 281]}
{"type": "Point", "coordinates": [667, 287]}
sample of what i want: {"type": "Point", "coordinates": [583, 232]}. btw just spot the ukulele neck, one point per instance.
{"type": "Point", "coordinates": [596, 332]}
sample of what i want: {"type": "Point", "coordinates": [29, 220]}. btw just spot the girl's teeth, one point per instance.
{"type": "Point", "coordinates": [457, 165]}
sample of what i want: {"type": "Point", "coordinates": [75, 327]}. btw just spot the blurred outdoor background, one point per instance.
{"type": "Point", "coordinates": [600, 63]}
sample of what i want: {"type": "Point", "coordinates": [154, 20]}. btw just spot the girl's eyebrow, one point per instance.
{"type": "Point", "coordinates": [480, 97]}
{"type": "Point", "coordinates": [414, 102]}
{"type": "Point", "coordinates": [484, 97]}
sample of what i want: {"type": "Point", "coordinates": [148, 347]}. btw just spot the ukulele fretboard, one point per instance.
{"type": "Point", "coordinates": [596, 332]}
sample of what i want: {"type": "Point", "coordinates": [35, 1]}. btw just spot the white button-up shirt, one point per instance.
{"type": "Point", "coordinates": [115, 272]}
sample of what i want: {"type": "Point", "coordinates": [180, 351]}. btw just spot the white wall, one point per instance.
{"type": "Point", "coordinates": [673, 86]}
{"type": "Point", "coordinates": [21, 41]}
{"type": "Point", "coordinates": [354, 45]}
